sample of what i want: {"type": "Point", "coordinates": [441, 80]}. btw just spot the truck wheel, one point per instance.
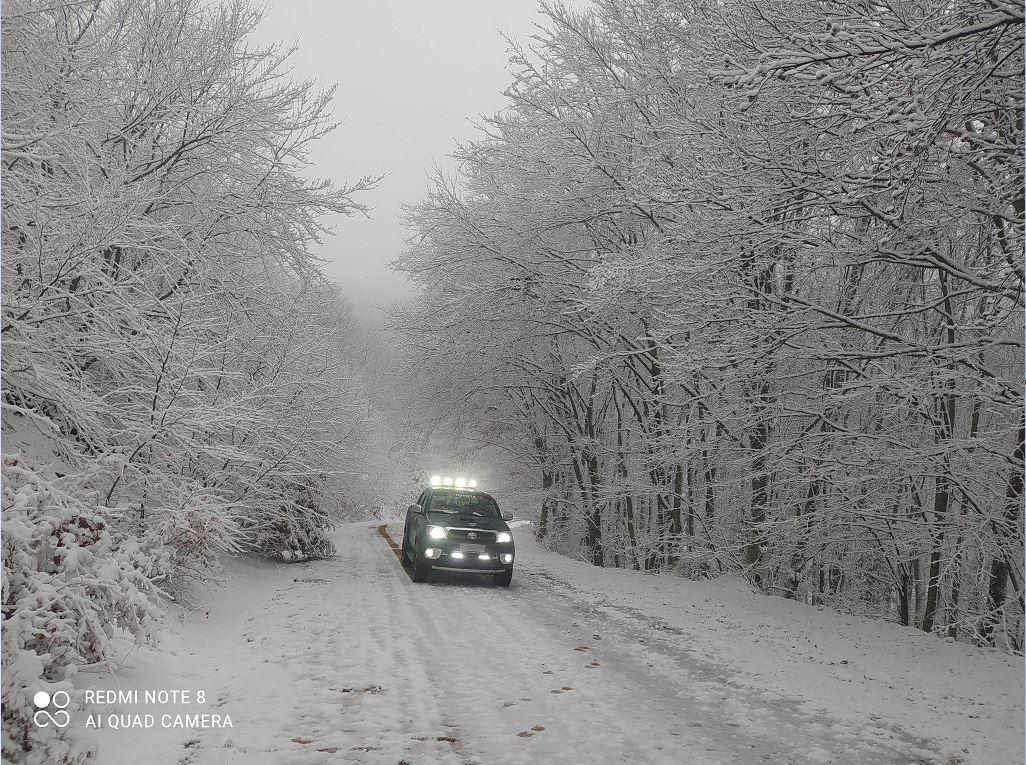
{"type": "Point", "coordinates": [503, 578]}
{"type": "Point", "coordinates": [421, 568]}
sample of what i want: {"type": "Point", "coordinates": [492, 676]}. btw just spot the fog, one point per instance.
{"type": "Point", "coordinates": [413, 78]}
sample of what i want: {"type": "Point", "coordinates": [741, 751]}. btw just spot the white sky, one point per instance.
{"type": "Point", "coordinates": [412, 76]}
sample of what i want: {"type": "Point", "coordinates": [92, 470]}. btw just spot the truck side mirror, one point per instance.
{"type": "Point", "coordinates": [507, 516]}
{"type": "Point", "coordinates": [415, 509]}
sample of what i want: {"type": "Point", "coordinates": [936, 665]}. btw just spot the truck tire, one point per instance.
{"type": "Point", "coordinates": [421, 568]}
{"type": "Point", "coordinates": [503, 578]}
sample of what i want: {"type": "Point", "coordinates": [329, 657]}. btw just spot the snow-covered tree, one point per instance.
{"type": "Point", "coordinates": [178, 381]}
{"type": "Point", "coordinates": [741, 283]}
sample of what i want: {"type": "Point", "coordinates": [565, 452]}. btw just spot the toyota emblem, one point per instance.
{"type": "Point", "coordinates": [471, 535]}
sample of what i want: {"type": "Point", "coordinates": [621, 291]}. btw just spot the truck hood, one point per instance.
{"type": "Point", "coordinates": [466, 521]}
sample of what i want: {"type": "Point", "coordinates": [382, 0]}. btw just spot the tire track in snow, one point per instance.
{"type": "Point", "coordinates": [646, 701]}
{"type": "Point", "coordinates": [403, 721]}
{"type": "Point", "coordinates": [353, 662]}
{"type": "Point", "coordinates": [709, 696]}
{"type": "Point", "coordinates": [518, 685]}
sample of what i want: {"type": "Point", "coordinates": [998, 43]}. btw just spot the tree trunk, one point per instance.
{"type": "Point", "coordinates": [999, 570]}
{"type": "Point", "coordinates": [758, 440]}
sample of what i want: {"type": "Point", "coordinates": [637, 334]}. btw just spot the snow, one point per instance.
{"type": "Point", "coordinates": [870, 676]}
{"type": "Point", "coordinates": [347, 659]}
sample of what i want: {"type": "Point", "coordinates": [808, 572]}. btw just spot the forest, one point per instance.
{"type": "Point", "coordinates": [740, 285]}
{"type": "Point", "coordinates": [727, 288]}
{"type": "Point", "coordinates": [179, 381]}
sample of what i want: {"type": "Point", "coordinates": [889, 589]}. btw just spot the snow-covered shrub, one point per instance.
{"type": "Point", "coordinates": [296, 533]}
{"type": "Point", "coordinates": [178, 547]}
{"type": "Point", "coordinates": [67, 591]}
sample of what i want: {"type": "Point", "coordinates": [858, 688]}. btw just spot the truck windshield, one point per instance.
{"type": "Point", "coordinates": [464, 503]}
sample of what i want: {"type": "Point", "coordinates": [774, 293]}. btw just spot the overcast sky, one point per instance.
{"type": "Point", "coordinates": [412, 78]}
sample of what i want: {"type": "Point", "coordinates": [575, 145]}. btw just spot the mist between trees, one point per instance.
{"type": "Point", "coordinates": [178, 381]}
{"type": "Point", "coordinates": [741, 284]}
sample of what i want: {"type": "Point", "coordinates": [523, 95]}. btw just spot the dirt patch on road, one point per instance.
{"type": "Point", "coordinates": [383, 531]}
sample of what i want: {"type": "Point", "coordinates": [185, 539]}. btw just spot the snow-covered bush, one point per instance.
{"type": "Point", "coordinates": [293, 534]}
{"type": "Point", "coordinates": [178, 547]}
{"type": "Point", "coordinates": [67, 591]}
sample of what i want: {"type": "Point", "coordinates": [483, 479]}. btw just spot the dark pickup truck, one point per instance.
{"type": "Point", "coordinates": [458, 529]}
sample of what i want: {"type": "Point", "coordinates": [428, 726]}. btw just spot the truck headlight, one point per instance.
{"type": "Point", "coordinates": [504, 537]}
{"type": "Point", "coordinates": [436, 532]}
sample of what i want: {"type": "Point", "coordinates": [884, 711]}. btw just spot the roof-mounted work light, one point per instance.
{"type": "Point", "coordinates": [458, 482]}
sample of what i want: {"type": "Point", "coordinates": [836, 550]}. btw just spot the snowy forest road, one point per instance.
{"type": "Point", "coordinates": [348, 660]}
{"type": "Point", "coordinates": [537, 663]}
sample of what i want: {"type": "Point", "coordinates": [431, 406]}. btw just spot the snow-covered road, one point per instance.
{"type": "Point", "coordinates": [347, 660]}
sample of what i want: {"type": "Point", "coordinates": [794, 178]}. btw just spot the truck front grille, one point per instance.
{"type": "Point", "coordinates": [464, 535]}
